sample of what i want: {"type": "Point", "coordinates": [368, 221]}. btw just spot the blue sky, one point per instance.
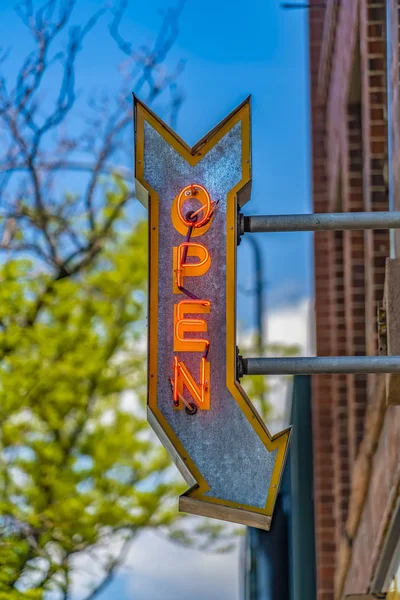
{"type": "Point", "coordinates": [232, 49]}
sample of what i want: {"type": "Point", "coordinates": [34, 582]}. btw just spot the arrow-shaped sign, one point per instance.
{"type": "Point", "coordinates": [195, 403]}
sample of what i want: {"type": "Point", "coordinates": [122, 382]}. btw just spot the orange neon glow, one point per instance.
{"type": "Point", "coordinates": [195, 192]}
{"type": "Point", "coordinates": [183, 378]}
{"type": "Point", "coordinates": [191, 226]}
{"type": "Point", "coordinates": [203, 371]}
{"type": "Point", "coordinates": [183, 269]}
{"type": "Point", "coordinates": [176, 373]}
{"type": "Point", "coordinates": [184, 325]}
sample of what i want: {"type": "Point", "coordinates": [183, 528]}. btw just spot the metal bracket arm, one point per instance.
{"type": "Point", "coordinates": [318, 222]}
{"type": "Point", "coordinates": [318, 365]}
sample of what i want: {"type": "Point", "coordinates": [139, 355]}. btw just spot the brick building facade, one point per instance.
{"type": "Point", "coordinates": [355, 108]}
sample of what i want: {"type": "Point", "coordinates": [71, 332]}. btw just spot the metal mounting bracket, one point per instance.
{"type": "Point", "coordinates": [318, 222]}
{"type": "Point", "coordinates": [327, 364]}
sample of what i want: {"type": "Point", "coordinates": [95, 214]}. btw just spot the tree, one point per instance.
{"type": "Point", "coordinates": [45, 137]}
{"type": "Point", "coordinates": [78, 465]}
{"type": "Point", "coordinates": [80, 473]}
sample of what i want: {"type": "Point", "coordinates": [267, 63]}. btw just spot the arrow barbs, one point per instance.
{"type": "Point", "coordinates": [195, 404]}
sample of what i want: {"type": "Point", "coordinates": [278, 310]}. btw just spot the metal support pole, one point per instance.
{"type": "Point", "coordinates": [319, 222]}
{"type": "Point", "coordinates": [259, 294]}
{"type": "Point", "coordinates": [317, 365]}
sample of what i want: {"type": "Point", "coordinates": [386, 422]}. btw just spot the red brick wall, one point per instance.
{"type": "Point", "coordinates": [354, 275]}
{"type": "Point", "coordinates": [394, 79]}
{"type": "Point", "coordinates": [322, 385]}
{"type": "Point", "coordinates": [349, 145]}
{"type": "Point", "coordinates": [374, 105]}
{"type": "Point", "coordinates": [380, 500]}
{"type": "Point", "coordinates": [339, 393]}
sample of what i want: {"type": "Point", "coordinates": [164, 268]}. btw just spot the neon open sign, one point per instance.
{"type": "Point", "coordinates": [195, 402]}
{"type": "Point", "coordinates": [191, 259]}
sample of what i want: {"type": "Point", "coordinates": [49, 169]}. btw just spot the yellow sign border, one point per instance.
{"type": "Point", "coordinates": [194, 500]}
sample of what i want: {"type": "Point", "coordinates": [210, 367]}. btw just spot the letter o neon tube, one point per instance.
{"type": "Point", "coordinates": [206, 206]}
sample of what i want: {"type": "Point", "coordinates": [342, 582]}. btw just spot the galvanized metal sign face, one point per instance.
{"type": "Point", "coordinates": [195, 404]}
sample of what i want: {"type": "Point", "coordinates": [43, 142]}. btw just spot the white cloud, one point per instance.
{"type": "Point", "coordinates": [157, 569]}
{"type": "Point", "coordinates": [291, 325]}
{"type": "Point", "coordinates": [130, 403]}
{"type": "Point", "coordinates": [160, 570]}
{"type": "Point", "coordinates": [288, 325]}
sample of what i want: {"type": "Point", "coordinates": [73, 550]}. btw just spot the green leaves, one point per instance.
{"type": "Point", "coordinates": [79, 467]}
{"type": "Point", "coordinates": [77, 461]}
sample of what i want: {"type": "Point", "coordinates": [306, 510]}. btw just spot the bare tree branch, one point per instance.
{"type": "Point", "coordinates": [112, 567]}
{"type": "Point", "coordinates": [63, 222]}
{"type": "Point", "coordinates": [33, 161]}
{"type": "Point", "coordinates": [71, 165]}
